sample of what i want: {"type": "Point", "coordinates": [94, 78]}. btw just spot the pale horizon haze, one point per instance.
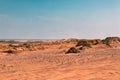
{"type": "Point", "coordinates": [59, 19]}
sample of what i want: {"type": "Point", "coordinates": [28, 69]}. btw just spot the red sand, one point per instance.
{"type": "Point", "coordinates": [97, 63]}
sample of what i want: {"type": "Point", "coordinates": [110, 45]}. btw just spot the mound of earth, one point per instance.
{"type": "Point", "coordinates": [111, 40]}
{"type": "Point", "coordinates": [88, 42]}
{"type": "Point", "coordinates": [95, 44]}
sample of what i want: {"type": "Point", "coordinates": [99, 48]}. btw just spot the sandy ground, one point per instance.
{"type": "Point", "coordinates": [55, 65]}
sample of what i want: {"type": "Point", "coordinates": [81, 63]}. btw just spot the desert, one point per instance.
{"type": "Point", "coordinates": [73, 59]}
{"type": "Point", "coordinates": [59, 39]}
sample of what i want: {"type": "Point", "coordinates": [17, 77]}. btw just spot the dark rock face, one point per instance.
{"type": "Point", "coordinates": [84, 43]}
{"type": "Point", "coordinates": [88, 43]}
{"type": "Point", "coordinates": [72, 50]}
{"type": "Point", "coordinates": [111, 40]}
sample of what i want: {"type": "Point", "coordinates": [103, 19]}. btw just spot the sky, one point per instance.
{"type": "Point", "coordinates": [59, 19]}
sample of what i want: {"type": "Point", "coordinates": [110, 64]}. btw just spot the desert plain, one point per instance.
{"type": "Point", "coordinates": [71, 59]}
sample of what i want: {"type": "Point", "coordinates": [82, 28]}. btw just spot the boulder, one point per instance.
{"type": "Point", "coordinates": [72, 50]}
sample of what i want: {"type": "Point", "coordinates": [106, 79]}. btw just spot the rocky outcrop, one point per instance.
{"type": "Point", "coordinates": [111, 40]}
{"type": "Point", "coordinates": [73, 45]}
{"type": "Point", "coordinates": [87, 44]}
{"type": "Point", "coordinates": [72, 50]}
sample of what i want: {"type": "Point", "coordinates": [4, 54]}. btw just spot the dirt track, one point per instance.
{"type": "Point", "coordinates": [99, 65]}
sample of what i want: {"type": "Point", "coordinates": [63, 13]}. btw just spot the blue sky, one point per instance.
{"type": "Point", "coordinates": [53, 19]}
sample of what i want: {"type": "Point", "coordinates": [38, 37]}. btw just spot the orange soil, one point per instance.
{"type": "Point", "coordinates": [97, 63]}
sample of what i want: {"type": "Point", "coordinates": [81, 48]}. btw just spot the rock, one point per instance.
{"type": "Point", "coordinates": [72, 50]}
{"type": "Point", "coordinates": [84, 43]}
{"type": "Point", "coordinates": [10, 51]}
{"type": "Point", "coordinates": [95, 41]}
{"type": "Point", "coordinates": [111, 40]}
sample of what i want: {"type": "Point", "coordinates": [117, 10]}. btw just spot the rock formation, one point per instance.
{"type": "Point", "coordinates": [85, 44]}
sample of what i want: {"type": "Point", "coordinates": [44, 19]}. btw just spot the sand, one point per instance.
{"type": "Point", "coordinates": [99, 65]}
{"type": "Point", "coordinates": [49, 61]}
